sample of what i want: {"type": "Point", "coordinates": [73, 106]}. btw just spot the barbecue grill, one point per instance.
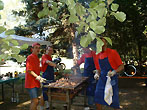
{"type": "Point", "coordinates": [65, 89]}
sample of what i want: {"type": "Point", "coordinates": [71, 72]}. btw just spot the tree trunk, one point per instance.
{"type": "Point", "coordinates": [74, 50]}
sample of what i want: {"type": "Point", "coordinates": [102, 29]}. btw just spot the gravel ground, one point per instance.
{"type": "Point", "coordinates": [133, 96]}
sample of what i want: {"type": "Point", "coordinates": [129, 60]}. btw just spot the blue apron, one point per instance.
{"type": "Point", "coordinates": [100, 87]}
{"type": "Point", "coordinates": [89, 66]}
{"type": "Point", "coordinates": [49, 75]}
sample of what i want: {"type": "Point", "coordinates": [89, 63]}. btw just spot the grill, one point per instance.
{"type": "Point", "coordinates": [65, 89]}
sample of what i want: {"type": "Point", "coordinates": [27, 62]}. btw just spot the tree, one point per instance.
{"type": "Point", "coordinates": [61, 34]}
{"type": "Point", "coordinates": [70, 15]}
{"type": "Point", "coordinates": [10, 48]}
{"type": "Point", "coordinates": [130, 33]}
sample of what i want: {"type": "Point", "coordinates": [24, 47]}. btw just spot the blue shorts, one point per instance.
{"type": "Point", "coordinates": [33, 92]}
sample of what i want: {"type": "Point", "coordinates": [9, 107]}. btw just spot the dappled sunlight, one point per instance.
{"type": "Point", "coordinates": [1, 102]}
{"type": "Point", "coordinates": [132, 98]}
{"type": "Point", "coordinates": [24, 104]}
{"type": "Point", "coordinates": [123, 93]}
{"type": "Point", "coordinates": [137, 98]}
{"type": "Point", "coordinates": [8, 105]}
{"type": "Point", "coordinates": [136, 92]}
{"type": "Point", "coordinates": [126, 103]}
{"type": "Point", "coordinates": [142, 84]}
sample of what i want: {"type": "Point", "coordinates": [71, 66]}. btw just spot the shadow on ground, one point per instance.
{"type": "Point", "coordinates": [133, 96]}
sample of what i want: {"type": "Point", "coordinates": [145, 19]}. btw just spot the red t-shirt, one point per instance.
{"type": "Point", "coordinates": [86, 55]}
{"type": "Point", "coordinates": [43, 61]}
{"type": "Point", "coordinates": [32, 64]}
{"type": "Point", "coordinates": [113, 58]}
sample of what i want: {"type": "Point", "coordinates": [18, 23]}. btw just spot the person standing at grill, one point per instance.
{"type": "Point", "coordinates": [89, 66]}
{"type": "Point", "coordinates": [108, 64]}
{"type": "Point", "coordinates": [48, 73]}
{"type": "Point", "coordinates": [32, 76]}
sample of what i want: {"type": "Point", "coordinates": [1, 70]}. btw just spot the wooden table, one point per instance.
{"type": "Point", "coordinates": [58, 94]}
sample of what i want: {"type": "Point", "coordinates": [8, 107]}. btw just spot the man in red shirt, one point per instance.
{"type": "Point", "coordinates": [108, 63]}
{"type": "Point", "coordinates": [48, 73]}
{"type": "Point", "coordinates": [32, 76]}
{"type": "Point", "coordinates": [88, 59]}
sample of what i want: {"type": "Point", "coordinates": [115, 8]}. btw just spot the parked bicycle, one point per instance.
{"type": "Point", "coordinates": [130, 70]}
{"type": "Point", "coordinates": [61, 66]}
{"type": "Point", "coordinates": [135, 70]}
{"type": "Point", "coordinates": [58, 71]}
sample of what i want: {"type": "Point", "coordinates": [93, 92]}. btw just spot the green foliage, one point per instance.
{"type": "Point", "coordinates": [73, 19]}
{"type": "Point", "coordinates": [91, 21]}
{"type": "Point", "coordinates": [127, 34]}
{"type": "Point", "coordinates": [109, 1]}
{"type": "Point", "coordinates": [108, 40]}
{"type": "Point", "coordinates": [10, 32]}
{"type": "Point", "coordinates": [92, 35]}
{"type": "Point", "coordinates": [145, 31]}
{"type": "Point", "coordinates": [114, 7]}
{"type": "Point", "coordinates": [127, 37]}
{"type": "Point", "coordinates": [80, 9]}
{"type": "Point", "coordinates": [99, 45]}
{"type": "Point", "coordinates": [20, 58]}
{"type": "Point", "coordinates": [24, 46]}
{"type": "Point", "coordinates": [42, 13]}
{"type": "Point", "coordinates": [121, 16]}
{"type": "Point", "coordinates": [14, 42]}
{"type": "Point", "coordinates": [84, 41]}
{"type": "Point", "coordinates": [95, 18]}
{"type": "Point", "coordinates": [102, 22]}
{"type": "Point", "coordinates": [15, 50]}
{"type": "Point", "coordinates": [2, 29]}
{"type": "Point", "coordinates": [93, 4]}
{"type": "Point", "coordinates": [10, 49]}
{"type": "Point", "coordinates": [1, 5]}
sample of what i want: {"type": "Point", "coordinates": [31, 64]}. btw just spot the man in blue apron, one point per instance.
{"type": "Point", "coordinates": [48, 73]}
{"type": "Point", "coordinates": [89, 66]}
{"type": "Point", "coordinates": [108, 64]}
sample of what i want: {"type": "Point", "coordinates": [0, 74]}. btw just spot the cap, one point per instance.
{"type": "Point", "coordinates": [34, 44]}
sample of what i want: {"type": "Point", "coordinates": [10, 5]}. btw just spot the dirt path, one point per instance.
{"type": "Point", "coordinates": [133, 96]}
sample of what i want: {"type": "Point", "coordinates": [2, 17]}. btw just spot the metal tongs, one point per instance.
{"type": "Point", "coordinates": [46, 82]}
{"type": "Point", "coordinates": [49, 81]}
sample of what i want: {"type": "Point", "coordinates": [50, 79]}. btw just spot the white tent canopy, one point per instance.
{"type": "Point", "coordinates": [25, 40]}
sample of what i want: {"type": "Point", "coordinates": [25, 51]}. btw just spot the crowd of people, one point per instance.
{"type": "Point", "coordinates": [102, 70]}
